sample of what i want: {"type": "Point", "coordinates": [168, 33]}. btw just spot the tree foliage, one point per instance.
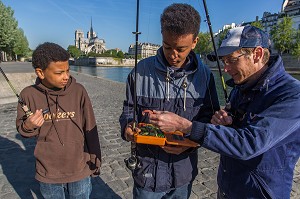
{"type": "Point", "coordinates": [12, 39]}
{"type": "Point", "coordinates": [257, 24]}
{"type": "Point", "coordinates": [204, 45]}
{"type": "Point", "coordinates": [120, 54]}
{"type": "Point", "coordinates": [296, 45]}
{"type": "Point", "coordinates": [74, 52]}
{"type": "Point", "coordinates": [282, 35]}
{"type": "Point", "coordinates": [21, 45]}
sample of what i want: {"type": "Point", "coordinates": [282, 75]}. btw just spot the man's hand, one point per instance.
{"type": "Point", "coordinates": [221, 117]}
{"type": "Point", "coordinates": [170, 122]}
{"type": "Point", "coordinates": [175, 149]}
{"type": "Point", "coordinates": [34, 121]}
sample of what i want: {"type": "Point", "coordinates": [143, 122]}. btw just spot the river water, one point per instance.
{"type": "Point", "coordinates": [120, 74]}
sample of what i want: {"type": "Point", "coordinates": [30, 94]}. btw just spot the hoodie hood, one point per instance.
{"type": "Point", "coordinates": [174, 73]}
{"type": "Point", "coordinates": [61, 92]}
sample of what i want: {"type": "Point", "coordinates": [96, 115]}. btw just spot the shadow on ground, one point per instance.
{"type": "Point", "coordinates": [18, 166]}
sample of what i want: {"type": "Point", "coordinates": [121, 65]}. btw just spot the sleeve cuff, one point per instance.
{"type": "Point", "coordinates": [25, 130]}
{"type": "Point", "coordinates": [197, 132]}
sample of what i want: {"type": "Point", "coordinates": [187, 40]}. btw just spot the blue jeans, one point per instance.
{"type": "Point", "coordinates": [178, 193]}
{"type": "Point", "coordinates": [75, 190]}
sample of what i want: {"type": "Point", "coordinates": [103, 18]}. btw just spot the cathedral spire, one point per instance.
{"type": "Point", "coordinates": [91, 30]}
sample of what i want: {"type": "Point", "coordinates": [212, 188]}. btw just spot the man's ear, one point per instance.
{"type": "Point", "coordinates": [39, 73]}
{"type": "Point", "coordinates": [258, 53]}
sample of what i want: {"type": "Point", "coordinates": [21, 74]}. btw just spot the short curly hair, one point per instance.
{"type": "Point", "coordinates": [48, 52]}
{"type": "Point", "coordinates": [180, 19]}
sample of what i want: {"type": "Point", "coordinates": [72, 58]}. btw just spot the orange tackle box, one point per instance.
{"type": "Point", "coordinates": [161, 138]}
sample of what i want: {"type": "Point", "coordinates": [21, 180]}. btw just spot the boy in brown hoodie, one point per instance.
{"type": "Point", "coordinates": [68, 149]}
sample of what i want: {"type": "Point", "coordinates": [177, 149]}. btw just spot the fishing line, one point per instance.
{"type": "Point", "coordinates": [21, 102]}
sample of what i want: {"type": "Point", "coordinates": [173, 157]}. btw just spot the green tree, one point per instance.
{"type": "Point", "coordinates": [282, 35]}
{"type": "Point", "coordinates": [204, 45]}
{"type": "Point", "coordinates": [257, 24]}
{"type": "Point", "coordinates": [120, 54]}
{"type": "Point", "coordinates": [111, 53]}
{"type": "Point", "coordinates": [21, 45]}
{"type": "Point", "coordinates": [12, 39]}
{"type": "Point", "coordinates": [74, 52]}
{"type": "Point", "coordinates": [8, 28]}
{"type": "Point", "coordinates": [296, 46]}
{"type": "Point", "coordinates": [94, 54]}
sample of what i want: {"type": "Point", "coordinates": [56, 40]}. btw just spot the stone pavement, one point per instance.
{"type": "Point", "coordinates": [17, 160]}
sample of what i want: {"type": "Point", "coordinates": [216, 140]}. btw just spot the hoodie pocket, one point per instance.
{"type": "Point", "coordinates": [55, 160]}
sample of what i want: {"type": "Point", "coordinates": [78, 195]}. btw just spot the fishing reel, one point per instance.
{"type": "Point", "coordinates": [132, 162]}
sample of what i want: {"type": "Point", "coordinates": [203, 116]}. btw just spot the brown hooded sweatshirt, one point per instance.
{"type": "Point", "coordinates": [68, 147]}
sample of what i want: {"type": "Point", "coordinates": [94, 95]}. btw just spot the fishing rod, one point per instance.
{"type": "Point", "coordinates": [227, 106]}
{"type": "Point", "coordinates": [22, 103]}
{"type": "Point", "coordinates": [132, 162]}
{"type": "Point", "coordinates": [136, 33]}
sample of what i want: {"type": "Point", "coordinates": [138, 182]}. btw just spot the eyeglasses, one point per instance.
{"type": "Point", "coordinates": [231, 60]}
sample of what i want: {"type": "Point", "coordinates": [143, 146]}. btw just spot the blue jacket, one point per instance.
{"type": "Point", "coordinates": [260, 150]}
{"type": "Point", "coordinates": [161, 171]}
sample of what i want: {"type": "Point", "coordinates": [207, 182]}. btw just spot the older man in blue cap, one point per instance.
{"type": "Point", "coordinates": [259, 136]}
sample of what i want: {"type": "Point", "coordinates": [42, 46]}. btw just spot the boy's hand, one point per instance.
{"type": "Point", "coordinates": [221, 117]}
{"type": "Point", "coordinates": [34, 121]}
{"type": "Point", "coordinates": [129, 132]}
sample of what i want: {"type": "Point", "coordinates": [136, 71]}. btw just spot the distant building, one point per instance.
{"type": "Point", "coordinates": [291, 8]}
{"type": "Point", "coordinates": [227, 26]}
{"type": "Point", "coordinates": [90, 44]}
{"type": "Point", "coordinates": [144, 49]}
{"type": "Point", "coordinates": [269, 20]}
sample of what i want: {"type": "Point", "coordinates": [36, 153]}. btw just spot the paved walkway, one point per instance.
{"type": "Point", "coordinates": [17, 160]}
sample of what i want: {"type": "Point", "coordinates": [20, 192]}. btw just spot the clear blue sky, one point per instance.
{"type": "Point", "coordinates": [114, 20]}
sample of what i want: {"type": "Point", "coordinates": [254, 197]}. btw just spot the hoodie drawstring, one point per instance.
{"type": "Point", "coordinates": [52, 121]}
{"type": "Point", "coordinates": [184, 86]}
{"type": "Point", "coordinates": [56, 109]}
{"type": "Point", "coordinates": [168, 86]}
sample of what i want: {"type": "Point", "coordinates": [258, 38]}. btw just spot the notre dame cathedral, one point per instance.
{"type": "Point", "coordinates": [90, 44]}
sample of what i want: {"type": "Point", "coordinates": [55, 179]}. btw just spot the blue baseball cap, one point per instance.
{"type": "Point", "coordinates": [241, 37]}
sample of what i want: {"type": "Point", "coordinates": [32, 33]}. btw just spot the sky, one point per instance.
{"type": "Point", "coordinates": [115, 20]}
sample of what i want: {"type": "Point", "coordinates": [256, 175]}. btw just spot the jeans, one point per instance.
{"type": "Point", "coordinates": [178, 193]}
{"type": "Point", "coordinates": [75, 190]}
